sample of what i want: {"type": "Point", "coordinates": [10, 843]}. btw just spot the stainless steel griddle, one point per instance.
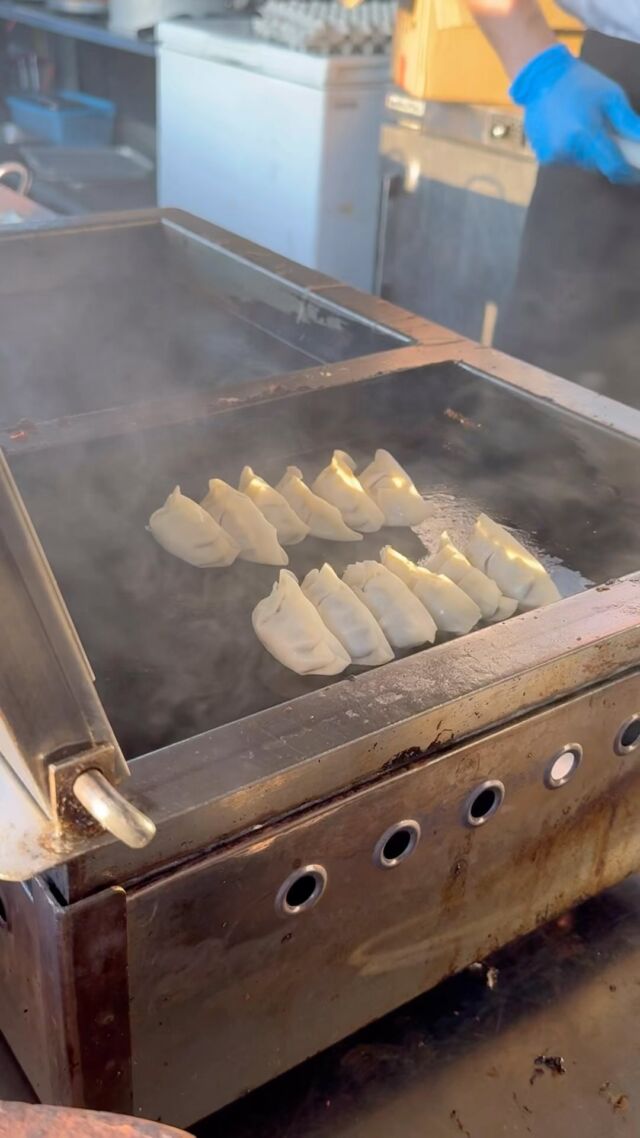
{"type": "Point", "coordinates": [262, 923]}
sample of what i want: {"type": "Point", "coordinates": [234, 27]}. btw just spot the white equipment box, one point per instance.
{"type": "Point", "coordinates": [276, 145]}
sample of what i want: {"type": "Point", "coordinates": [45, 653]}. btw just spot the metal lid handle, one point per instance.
{"type": "Point", "coordinates": [112, 810]}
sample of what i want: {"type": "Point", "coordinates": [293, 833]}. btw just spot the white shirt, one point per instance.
{"type": "Point", "coordinates": [613, 17]}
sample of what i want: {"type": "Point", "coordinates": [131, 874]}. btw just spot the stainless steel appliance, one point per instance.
{"type": "Point", "coordinates": [324, 851]}
{"type": "Point", "coordinates": [457, 181]}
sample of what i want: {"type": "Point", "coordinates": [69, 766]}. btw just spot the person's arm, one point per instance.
{"type": "Point", "coordinates": [572, 112]}
{"type": "Point", "coordinates": [516, 29]}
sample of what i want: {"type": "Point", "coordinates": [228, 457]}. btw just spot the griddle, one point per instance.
{"type": "Point", "coordinates": [265, 921]}
{"type": "Point", "coordinates": [173, 648]}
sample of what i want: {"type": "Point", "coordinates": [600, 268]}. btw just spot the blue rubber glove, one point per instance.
{"type": "Point", "coordinates": [572, 113]}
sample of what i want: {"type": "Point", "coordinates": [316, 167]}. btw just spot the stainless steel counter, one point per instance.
{"type": "Point", "coordinates": [89, 29]}
{"type": "Point", "coordinates": [461, 1060]}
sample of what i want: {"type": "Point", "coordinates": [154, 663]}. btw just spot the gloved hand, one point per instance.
{"type": "Point", "coordinates": [572, 113]}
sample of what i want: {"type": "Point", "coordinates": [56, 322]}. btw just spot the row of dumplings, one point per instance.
{"type": "Point", "coordinates": [378, 608]}
{"type": "Point", "coordinates": [257, 520]}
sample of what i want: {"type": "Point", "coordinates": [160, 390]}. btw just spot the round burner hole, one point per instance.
{"type": "Point", "coordinates": [301, 891]}
{"type": "Point", "coordinates": [628, 737]}
{"type": "Point", "coordinates": [563, 766]}
{"type": "Point", "coordinates": [396, 844]}
{"type": "Point", "coordinates": [483, 803]}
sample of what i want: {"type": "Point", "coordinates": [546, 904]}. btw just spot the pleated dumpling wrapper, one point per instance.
{"type": "Point", "coordinates": [183, 528]}
{"type": "Point", "coordinates": [255, 537]}
{"type": "Point", "coordinates": [290, 528]}
{"type": "Point", "coordinates": [452, 609]}
{"type": "Point", "coordinates": [393, 491]}
{"type": "Point", "coordinates": [338, 484]}
{"type": "Point", "coordinates": [516, 571]}
{"type": "Point", "coordinates": [401, 616]}
{"type": "Point", "coordinates": [448, 559]}
{"type": "Point", "coordinates": [347, 618]}
{"type": "Point", "coordinates": [323, 519]}
{"type": "Point", "coordinates": [292, 630]}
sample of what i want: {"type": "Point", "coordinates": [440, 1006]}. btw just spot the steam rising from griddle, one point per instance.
{"type": "Point", "coordinates": [173, 648]}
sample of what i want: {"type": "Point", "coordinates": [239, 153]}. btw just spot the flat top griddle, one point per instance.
{"type": "Point", "coordinates": [173, 648]}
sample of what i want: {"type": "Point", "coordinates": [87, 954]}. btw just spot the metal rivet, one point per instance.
{"type": "Point", "coordinates": [562, 767]}
{"type": "Point", "coordinates": [483, 803]}
{"type": "Point", "coordinates": [396, 844]}
{"type": "Point", "coordinates": [301, 891]}
{"type": "Point", "coordinates": [628, 737]}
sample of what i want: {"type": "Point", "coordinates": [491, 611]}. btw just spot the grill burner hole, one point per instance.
{"type": "Point", "coordinates": [485, 801]}
{"type": "Point", "coordinates": [396, 844]}
{"type": "Point", "coordinates": [301, 891]}
{"type": "Point", "coordinates": [563, 766]}
{"type": "Point", "coordinates": [4, 919]}
{"type": "Point", "coordinates": [628, 738]}
{"type": "Point", "coordinates": [483, 804]}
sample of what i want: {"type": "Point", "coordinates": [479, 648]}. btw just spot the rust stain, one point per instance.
{"type": "Point", "coordinates": [17, 1120]}
{"type": "Point", "coordinates": [403, 758]}
{"type": "Point", "coordinates": [618, 1101]}
{"type": "Point", "coordinates": [455, 1117]}
{"type": "Point", "coordinates": [553, 1063]}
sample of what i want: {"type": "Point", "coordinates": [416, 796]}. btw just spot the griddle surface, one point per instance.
{"type": "Point", "coordinates": [173, 648]}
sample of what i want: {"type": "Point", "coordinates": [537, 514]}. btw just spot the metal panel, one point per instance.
{"type": "Point", "coordinates": [226, 993]}
{"type": "Point", "coordinates": [189, 316]}
{"type": "Point", "coordinates": [64, 1002]}
{"type": "Point", "coordinates": [460, 1060]}
{"type": "Point", "coordinates": [48, 703]}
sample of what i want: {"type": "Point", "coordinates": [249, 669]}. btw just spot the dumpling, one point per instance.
{"type": "Point", "coordinates": [402, 617]}
{"type": "Point", "coordinates": [291, 629]}
{"type": "Point", "coordinates": [255, 537]}
{"type": "Point", "coordinates": [516, 571]}
{"type": "Point", "coordinates": [183, 528]}
{"type": "Point", "coordinates": [323, 519]}
{"type": "Point", "coordinates": [449, 560]}
{"type": "Point", "coordinates": [452, 609]}
{"type": "Point", "coordinates": [347, 618]}
{"type": "Point", "coordinates": [393, 491]}
{"type": "Point", "coordinates": [290, 528]}
{"type": "Point", "coordinates": [338, 484]}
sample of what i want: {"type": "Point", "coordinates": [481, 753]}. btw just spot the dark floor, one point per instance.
{"type": "Point", "coordinates": [466, 1060]}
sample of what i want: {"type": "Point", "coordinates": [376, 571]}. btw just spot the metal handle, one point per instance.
{"type": "Point", "coordinates": [112, 810]}
{"type": "Point", "coordinates": [21, 172]}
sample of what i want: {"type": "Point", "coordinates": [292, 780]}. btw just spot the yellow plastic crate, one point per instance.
{"type": "Point", "coordinates": [440, 53]}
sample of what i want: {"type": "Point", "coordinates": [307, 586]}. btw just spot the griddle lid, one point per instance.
{"type": "Point", "coordinates": [54, 732]}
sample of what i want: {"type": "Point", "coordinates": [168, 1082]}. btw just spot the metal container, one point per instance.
{"type": "Point", "coordinates": [324, 850]}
